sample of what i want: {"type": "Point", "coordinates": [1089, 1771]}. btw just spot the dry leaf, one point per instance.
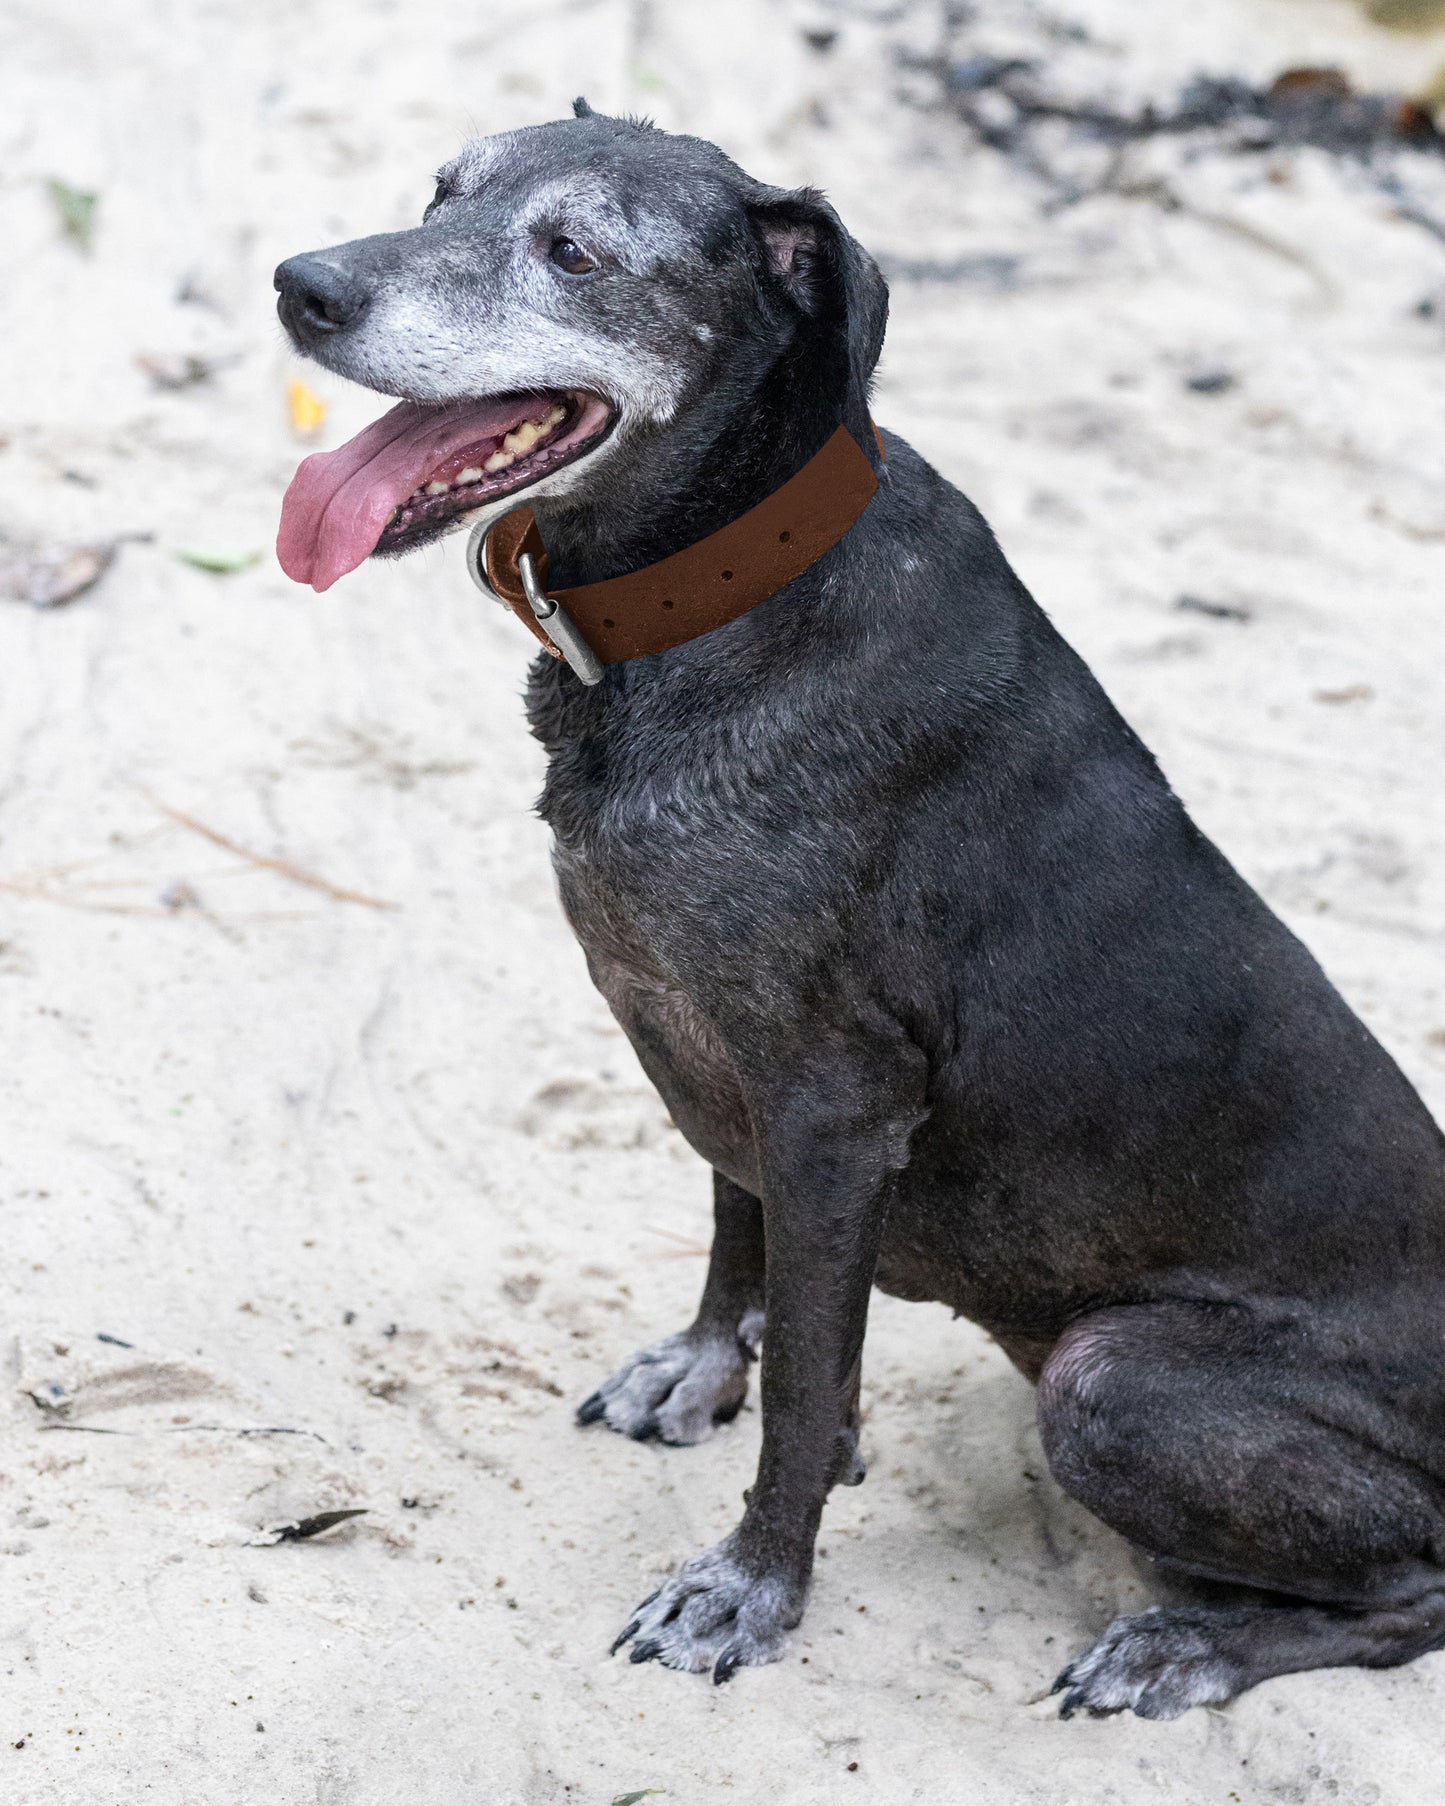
{"type": "Point", "coordinates": [47, 576]}
{"type": "Point", "coordinates": [1325, 84]}
{"type": "Point", "coordinates": [303, 1529]}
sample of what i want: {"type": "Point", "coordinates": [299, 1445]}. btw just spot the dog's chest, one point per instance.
{"type": "Point", "coordinates": [678, 1049]}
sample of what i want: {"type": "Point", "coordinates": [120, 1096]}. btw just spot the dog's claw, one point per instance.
{"type": "Point", "coordinates": [715, 1615]}
{"type": "Point", "coordinates": [626, 1634]}
{"type": "Point", "coordinates": [1073, 1695]}
{"type": "Point", "coordinates": [1074, 1701]}
{"type": "Point", "coordinates": [1158, 1663]}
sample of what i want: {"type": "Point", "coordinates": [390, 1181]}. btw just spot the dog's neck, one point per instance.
{"type": "Point", "coordinates": [671, 485]}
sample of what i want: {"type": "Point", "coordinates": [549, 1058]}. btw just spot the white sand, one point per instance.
{"type": "Point", "coordinates": [251, 1136]}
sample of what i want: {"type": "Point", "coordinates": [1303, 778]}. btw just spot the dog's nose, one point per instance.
{"type": "Point", "coordinates": [317, 298]}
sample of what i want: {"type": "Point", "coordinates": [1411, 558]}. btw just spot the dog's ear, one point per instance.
{"type": "Point", "coordinates": [827, 273]}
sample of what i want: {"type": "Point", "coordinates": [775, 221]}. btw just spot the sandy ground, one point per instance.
{"type": "Point", "coordinates": [374, 1195]}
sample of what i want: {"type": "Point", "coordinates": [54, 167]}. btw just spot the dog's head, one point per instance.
{"type": "Point", "coordinates": [572, 290]}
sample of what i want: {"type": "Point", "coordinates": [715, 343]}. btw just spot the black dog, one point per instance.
{"type": "Point", "coordinates": [925, 958]}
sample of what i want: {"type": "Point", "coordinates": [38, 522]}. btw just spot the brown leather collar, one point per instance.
{"type": "Point", "coordinates": [708, 583]}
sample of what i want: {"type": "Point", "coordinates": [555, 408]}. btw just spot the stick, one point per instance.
{"type": "Point", "coordinates": [266, 861]}
{"type": "Point", "coordinates": [684, 1249]}
{"type": "Point", "coordinates": [39, 895]}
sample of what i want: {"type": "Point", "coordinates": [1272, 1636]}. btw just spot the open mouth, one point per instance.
{"type": "Point", "coordinates": [408, 476]}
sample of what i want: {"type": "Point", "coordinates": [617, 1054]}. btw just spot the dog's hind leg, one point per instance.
{"type": "Point", "coordinates": [1224, 1449]}
{"type": "Point", "coordinates": [679, 1388]}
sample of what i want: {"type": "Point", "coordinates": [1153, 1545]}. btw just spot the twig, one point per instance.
{"type": "Point", "coordinates": [265, 860]}
{"type": "Point", "coordinates": [83, 1429]}
{"type": "Point", "coordinates": [229, 1429]}
{"type": "Point", "coordinates": [1264, 241]}
{"type": "Point", "coordinates": [79, 865]}
{"type": "Point", "coordinates": [40, 895]}
{"type": "Point", "coordinates": [684, 1249]}
{"type": "Point", "coordinates": [1425, 535]}
{"type": "Point", "coordinates": [187, 1429]}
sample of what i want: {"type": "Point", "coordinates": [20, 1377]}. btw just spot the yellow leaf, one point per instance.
{"type": "Point", "coordinates": [308, 410]}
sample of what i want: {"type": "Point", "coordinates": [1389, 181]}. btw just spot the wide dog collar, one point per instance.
{"type": "Point", "coordinates": [682, 597]}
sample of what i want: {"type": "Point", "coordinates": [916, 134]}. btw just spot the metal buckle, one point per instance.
{"type": "Point", "coordinates": [559, 627]}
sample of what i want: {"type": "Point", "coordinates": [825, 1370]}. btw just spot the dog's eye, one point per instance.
{"type": "Point", "coordinates": [570, 257]}
{"type": "Point", "coordinates": [444, 192]}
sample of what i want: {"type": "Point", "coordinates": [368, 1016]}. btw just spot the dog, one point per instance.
{"type": "Point", "coordinates": [907, 928]}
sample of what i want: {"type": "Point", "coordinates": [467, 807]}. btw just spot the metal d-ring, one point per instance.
{"type": "Point", "coordinates": [560, 629]}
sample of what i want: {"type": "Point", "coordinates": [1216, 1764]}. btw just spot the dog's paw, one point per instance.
{"type": "Point", "coordinates": [1158, 1664]}
{"type": "Point", "coordinates": [676, 1389]}
{"type": "Point", "coordinates": [714, 1613]}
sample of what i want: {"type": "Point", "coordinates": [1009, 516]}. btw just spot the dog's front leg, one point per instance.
{"type": "Point", "coordinates": [828, 1156]}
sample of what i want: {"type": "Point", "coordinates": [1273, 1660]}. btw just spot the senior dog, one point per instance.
{"type": "Point", "coordinates": [922, 953]}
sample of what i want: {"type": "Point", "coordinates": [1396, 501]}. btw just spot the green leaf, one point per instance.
{"type": "Point", "coordinates": [631, 1799]}
{"type": "Point", "coordinates": [76, 207]}
{"type": "Point", "coordinates": [219, 564]}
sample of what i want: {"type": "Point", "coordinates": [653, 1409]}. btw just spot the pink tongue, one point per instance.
{"type": "Point", "coordinates": [339, 501]}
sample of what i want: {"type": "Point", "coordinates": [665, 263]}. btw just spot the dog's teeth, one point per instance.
{"type": "Point", "coordinates": [522, 438]}
{"type": "Point", "coordinates": [515, 445]}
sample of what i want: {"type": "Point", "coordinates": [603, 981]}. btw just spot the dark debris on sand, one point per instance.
{"type": "Point", "coordinates": [1075, 145]}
